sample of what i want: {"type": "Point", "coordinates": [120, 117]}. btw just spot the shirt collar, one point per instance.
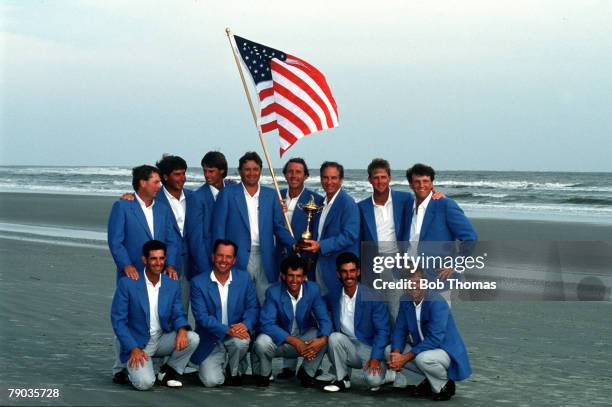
{"type": "Point", "coordinates": [171, 197]}
{"type": "Point", "coordinates": [389, 200]}
{"type": "Point", "coordinates": [299, 297]}
{"type": "Point", "coordinates": [214, 278]}
{"type": "Point", "coordinates": [330, 203]}
{"type": "Point", "coordinates": [423, 204]}
{"type": "Point", "coordinates": [246, 193]}
{"type": "Point", "coordinates": [297, 197]}
{"type": "Point", "coordinates": [142, 203]}
{"type": "Point", "coordinates": [345, 295]}
{"type": "Point", "coordinates": [150, 284]}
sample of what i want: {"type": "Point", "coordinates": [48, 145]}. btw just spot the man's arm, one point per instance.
{"type": "Point", "coordinates": [179, 317]}
{"type": "Point", "coordinates": [436, 327]}
{"type": "Point", "coordinates": [280, 226]}
{"type": "Point", "coordinates": [116, 241]}
{"type": "Point", "coordinates": [349, 219]}
{"type": "Point", "coordinates": [268, 319]}
{"type": "Point", "coordinates": [251, 313]}
{"type": "Point", "coordinates": [203, 316]}
{"type": "Point", "coordinates": [119, 316]}
{"type": "Point", "coordinates": [380, 320]}
{"type": "Point", "coordinates": [400, 333]}
{"type": "Point", "coordinates": [197, 234]}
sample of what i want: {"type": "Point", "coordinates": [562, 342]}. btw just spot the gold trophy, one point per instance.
{"type": "Point", "coordinates": [311, 209]}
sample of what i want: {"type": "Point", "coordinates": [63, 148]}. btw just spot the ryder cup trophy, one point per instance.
{"type": "Point", "coordinates": [311, 209]}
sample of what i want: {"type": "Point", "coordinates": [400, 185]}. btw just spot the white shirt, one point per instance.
{"type": "Point", "coordinates": [148, 213]}
{"type": "Point", "coordinates": [294, 302]}
{"type": "Point", "coordinates": [326, 208]}
{"type": "Point", "coordinates": [418, 214]}
{"type": "Point", "coordinates": [253, 210]}
{"type": "Point", "coordinates": [223, 291]}
{"type": "Point", "coordinates": [417, 309]}
{"type": "Point", "coordinates": [155, 329]}
{"type": "Point", "coordinates": [291, 204]}
{"type": "Point", "coordinates": [214, 192]}
{"type": "Point", "coordinates": [347, 314]}
{"type": "Point", "coordinates": [385, 226]}
{"type": "Point", "coordinates": [178, 207]}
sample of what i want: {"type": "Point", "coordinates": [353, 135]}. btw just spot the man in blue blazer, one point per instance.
{"type": "Point", "coordinates": [436, 356]}
{"type": "Point", "coordinates": [296, 172]}
{"type": "Point", "coordinates": [225, 308]}
{"type": "Point", "coordinates": [149, 320]}
{"type": "Point", "coordinates": [294, 322]}
{"type": "Point", "coordinates": [337, 227]}
{"type": "Point", "coordinates": [251, 216]}
{"type": "Point", "coordinates": [385, 219]}
{"type": "Point", "coordinates": [437, 220]}
{"type": "Point", "coordinates": [132, 223]}
{"type": "Point", "coordinates": [362, 328]}
{"type": "Point", "coordinates": [199, 219]}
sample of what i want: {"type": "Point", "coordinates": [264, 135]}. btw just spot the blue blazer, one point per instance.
{"type": "Point", "coordinates": [130, 312]}
{"type": "Point", "coordinates": [439, 332]}
{"type": "Point", "coordinates": [340, 233]}
{"type": "Point", "coordinates": [183, 265]}
{"type": "Point", "coordinates": [199, 228]}
{"type": "Point", "coordinates": [371, 322]}
{"type": "Point", "coordinates": [231, 221]}
{"type": "Point", "coordinates": [444, 221]}
{"type": "Point", "coordinates": [276, 316]}
{"type": "Point", "coordinates": [402, 208]}
{"type": "Point", "coordinates": [242, 306]}
{"type": "Point", "coordinates": [128, 232]}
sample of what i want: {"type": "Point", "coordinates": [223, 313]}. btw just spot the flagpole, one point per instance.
{"type": "Point", "coordinates": [230, 37]}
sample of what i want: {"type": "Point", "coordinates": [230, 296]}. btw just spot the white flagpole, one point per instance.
{"type": "Point", "coordinates": [230, 37]}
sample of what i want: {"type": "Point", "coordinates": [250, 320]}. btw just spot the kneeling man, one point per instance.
{"type": "Point", "coordinates": [224, 305]}
{"type": "Point", "coordinates": [148, 318]}
{"type": "Point", "coordinates": [295, 322]}
{"type": "Point", "coordinates": [436, 357]}
{"type": "Point", "coordinates": [361, 322]}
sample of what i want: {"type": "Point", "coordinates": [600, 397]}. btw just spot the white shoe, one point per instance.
{"type": "Point", "coordinates": [338, 385]}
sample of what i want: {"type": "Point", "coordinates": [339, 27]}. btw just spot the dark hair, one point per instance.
{"type": "Point", "coordinates": [420, 169]}
{"type": "Point", "coordinates": [151, 245]}
{"type": "Point", "coordinates": [334, 164]}
{"type": "Point", "coordinates": [225, 242]}
{"type": "Point", "coordinates": [249, 156]}
{"type": "Point", "coordinates": [142, 173]}
{"type": "Point", "coordinates": [292, 262]}
{"type": "Point", "coordinates": [418, 271]}
{"type": "Point", "coordinates": [169, 163]}
{"type": "Point", "coordinates": [346, 257]}
{"type": "Point", "coordinates": [379, 164]}
{"type": "Point", "coordinates": [215, 159]}
{"type": "Point", "coordinates": [297, 160]}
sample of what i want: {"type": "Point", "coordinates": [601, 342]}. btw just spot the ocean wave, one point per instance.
{"type": "Point", "coordinates": [506, 185]}
{"type": "Point", "coordinates": [107, 171]}
{"type": "Point", "coordinates": [588, 201]}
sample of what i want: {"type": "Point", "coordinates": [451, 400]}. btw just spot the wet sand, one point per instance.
{"type": "Point", "coordinates": [56, 333]}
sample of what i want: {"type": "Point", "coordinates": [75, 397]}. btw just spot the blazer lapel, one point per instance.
{"type": "Point", "coordinates": [286, 306]}
{"type": "Point", "coordinates": [162, 200]}
{"type": "Point", "coordinates": [333, 212]}
{"type": "Point", "coordinates": [213, 291]}
{"type": "Point", "coordinates": [357, 309]}
{"type": "Point", "coordinates": [370, 219]}
{"type": "Point", "coordinates": [140, 217]}
{"type": "Point", "coordinates": [430, 213]}
{"type": "Point", "coordinates": [397, 216]}
{"type": "Point", "coordinates": [163, 300]}
{"type": "Point", "coordinates": [242, 206]}
{"type": "Point", "coordinates": [263, 203]}
{"type": "Point", "coordinates": [143, 295]}
{"type": "Point", "coordinates": [232, 296]}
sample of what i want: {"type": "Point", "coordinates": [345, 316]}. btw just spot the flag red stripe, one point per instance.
{"type": "Point", "coordinates": [269, 127]}
{"type": "Point", "coordinates": [264, 93]}
{"type": "Point", "coordinates": [290, 116]}
{"type": "Point", "coordinates": [278, 88]}
{"type": "Point", "coordinates": [306, 88]}
{"type": "Point", "coordinates": [317, 76]}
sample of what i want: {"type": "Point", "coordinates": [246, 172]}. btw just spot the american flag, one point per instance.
{"type": "Point", "coordinates": [294, 95]}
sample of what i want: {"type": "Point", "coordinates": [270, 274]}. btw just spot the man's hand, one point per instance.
{"type": "Point", "coordinates": [314, 346]}
{"type": "Point", "coordinates": [299, 345]}
{"type": "Point", "coordinates": [283, 205]}
{"type": "Point", "coordinates": [137, 358]}
{"type": "Point", "coordinates": [171, 271]}
{"type": "Point", "coordinates": [126, 196]}
{"type": "Point", "coordinates": [131, 271]}
{"type": "Point", "coordinates": [373, 367]}
{"type": "Point", "coordinates": [437, 195]}
{"type": "Point", "coordinates": [397, 360]}
{"type": "Point", "coordinates": [181, 341]}
{"type": "Point", "coordinates": [310, 246]}
{"type": "Point", "coordinates": [445, 273]}
{"type": "Point", "coordinates": [239, 331]}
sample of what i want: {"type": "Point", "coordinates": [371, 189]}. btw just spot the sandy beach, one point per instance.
{"type": "Point", "coordinates": [56, 333]}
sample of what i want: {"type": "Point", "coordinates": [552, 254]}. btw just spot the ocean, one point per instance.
{"type": "Point", "coordinates": [558, 196]}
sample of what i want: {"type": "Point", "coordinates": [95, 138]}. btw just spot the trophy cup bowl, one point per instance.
{"type": "Point", "coordinates": [311, 209]}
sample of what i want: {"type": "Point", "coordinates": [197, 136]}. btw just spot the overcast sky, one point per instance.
{"type": "Point", "coordinates": [490, 85]}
